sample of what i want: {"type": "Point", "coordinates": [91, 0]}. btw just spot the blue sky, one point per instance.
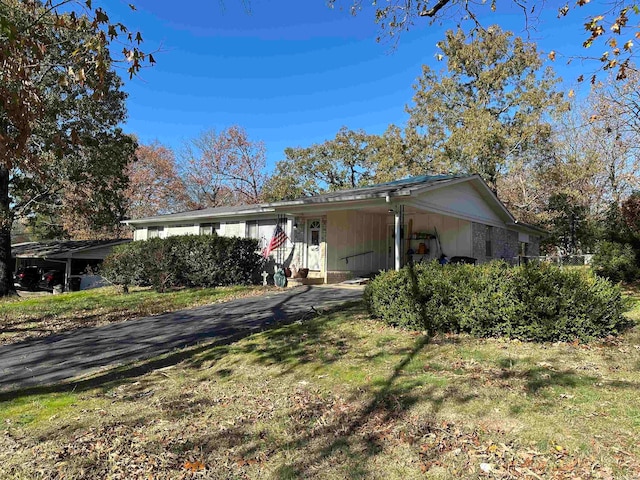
{"type": "Point", "coordinates": [290, 75]}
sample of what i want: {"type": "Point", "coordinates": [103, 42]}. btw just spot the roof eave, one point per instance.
{"type": "Point", "coordinates": [342, 199]}
{"type": "Point", "coordinates": [527, 228]}
{"type": "Point", "coordinates": [194, 217]}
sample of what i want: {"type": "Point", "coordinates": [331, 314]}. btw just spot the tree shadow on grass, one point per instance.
{"type": "Point", "coordinates": [206, 348]}
{"type": "Point", "coordinates": [362, 432]}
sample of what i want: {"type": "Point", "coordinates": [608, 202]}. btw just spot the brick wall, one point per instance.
{"type": "Point", "coordinates": [534, 246]}
{"type": "Point", "coordinates": [504, 243]}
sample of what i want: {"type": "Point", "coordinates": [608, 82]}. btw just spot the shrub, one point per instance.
{"type": "Point", "coordinates": [615, 261]}
{"type": "Point", "coordinates": [531, 302]}
{"type": "Point", "coordinates": [194, 261]}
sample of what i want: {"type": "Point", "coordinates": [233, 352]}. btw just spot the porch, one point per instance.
{"type": "Point", "coordinates": [338, 245]}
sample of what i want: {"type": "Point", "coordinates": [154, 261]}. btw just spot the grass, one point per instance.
{"type": "Point", "coordinates": [341, 396]}
{"type": "Point", "coordinates": [25, 318]}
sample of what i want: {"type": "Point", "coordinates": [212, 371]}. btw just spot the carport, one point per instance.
{"type": "Point", "coordinates": [74, 256]}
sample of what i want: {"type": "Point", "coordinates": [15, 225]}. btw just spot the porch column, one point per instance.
{"type": "Point", "coordinates": [396, 237]}
{"type": "Point", "coordinates": [67, 275]}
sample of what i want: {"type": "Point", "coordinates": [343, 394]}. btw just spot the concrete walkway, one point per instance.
{"type": "Point", "coordinates": [61, 357]}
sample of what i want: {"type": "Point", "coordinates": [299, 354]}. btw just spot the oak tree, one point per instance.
{"type": "Point", "coordinates": [489, 107]}
{"type": "Point", "coordinates": [611, 27]}
{"type": "Point", "coordinates": [60, 104]}
{"type": "Point", "coordinates": [223, 168]}
{"type": "Point", "coordinates": [337, 164]}
{"type": "Point", "coordinates": [155, 187]}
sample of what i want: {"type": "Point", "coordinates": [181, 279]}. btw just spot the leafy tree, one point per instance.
{"type": "Point", "coordinates": [608, 23]}
{"type": "Point", "coordinates": [60, 104]}
{"type": "Point", "coordinates": [225, 168]}
{"type": "Point", "coordinates": [401, 153]}
{"type": "Point", "coordinates": [630, 210]}
{"type": "Point", "coordinates": [570, 227]}
{"type": "Point", "coordinates": [489, 107]}
{"type": "Point", "coordinates": [614, 134]}
{"type": "Point", "coordinates": [337, 164]}
{"type": "Point", "coordinates": [154, 184]}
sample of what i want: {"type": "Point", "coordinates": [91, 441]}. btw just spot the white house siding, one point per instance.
{"type": "Point", "coordinates": [455, 234]}
{"type": "Point", "coordinates": [233, 229]}
{"type": "Point", "coordinates": [461, 200]}
{"type": "Point", "coordinates": [351, 232]}
{"type": "Point", "coordinates": [140, 233]}
{"type": "Point", "coordinates": [265, 232]}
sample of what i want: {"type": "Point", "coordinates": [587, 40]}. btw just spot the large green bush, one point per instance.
{"type": "Point", "coordinates": [194, 261]}
{"type": "Point", "coordinates": [615, 261]}
{"type": "Point", "coordinates": [530, 302]}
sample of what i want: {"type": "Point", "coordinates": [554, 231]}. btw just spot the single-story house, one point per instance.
{"type": "Point", "coordinates": [347, 233]}
{"type": "Point", "coordinates": [76, 258]}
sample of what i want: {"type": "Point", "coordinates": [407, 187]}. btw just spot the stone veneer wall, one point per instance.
{"type": "Point", "coordinates": [504, 242]}
{"type": "Point", "coordinates": [534, 246]}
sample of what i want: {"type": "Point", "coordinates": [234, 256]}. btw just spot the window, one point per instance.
{"type": "Point", "coordinates": [209, 228]}
{"type": "Point", "coordinates": [488, 247]}
{"type": "Point", "coordinates": [155, 232]}
{"type": "Point", "coordinates": [314, 229]}
{"type": "Point", "coordinates": [251, 230]}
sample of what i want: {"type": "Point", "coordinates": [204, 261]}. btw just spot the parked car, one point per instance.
{"type": "Point", "coordinates": [51, 278]}
{"type": "Point", "coordinates": [27, 278]}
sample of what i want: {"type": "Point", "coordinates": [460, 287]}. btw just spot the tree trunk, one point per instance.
{"type": "Point", "coordinates": [6, 220]}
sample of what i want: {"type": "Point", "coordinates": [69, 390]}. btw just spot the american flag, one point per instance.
{"type": "Point", "coordinates": [278, 238]}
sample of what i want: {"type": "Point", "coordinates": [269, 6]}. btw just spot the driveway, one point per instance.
{"type": "Point", "coordinates": [61, 357]}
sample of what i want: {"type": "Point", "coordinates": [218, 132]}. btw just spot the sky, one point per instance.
{"type": "Point", "coordinates": [291, 75]}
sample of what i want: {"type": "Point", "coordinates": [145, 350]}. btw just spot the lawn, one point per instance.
{"type": "Point", "coordinates": [342, 396]}
{"type": "Point", "coordinates": [24, 318]}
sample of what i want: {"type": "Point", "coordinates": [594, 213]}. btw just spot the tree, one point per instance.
{"type": "Point", "coordinates": [489, 108]}
{"type": "Point", "coordinates": [341, 163]}
{"type": "Point", "coordinates": [630, 210]}
{"type": "Point", "coordinates": [614, 133]}
{"type": "Point", "coordinates": [60, 104]}
{"type": "Point", "coordinates": [570, 228]}
{"type": "Point", "coordinates": [225, 168]}
{"type": "Point", "coordinates": [155, 187]}
{"type": "Point", "coordinates": [607, 23]}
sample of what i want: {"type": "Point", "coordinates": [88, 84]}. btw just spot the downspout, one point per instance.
{"type": "Point", "coordinates": [67, 275]}
{"type": "Point", "coordinates": [397, 239]}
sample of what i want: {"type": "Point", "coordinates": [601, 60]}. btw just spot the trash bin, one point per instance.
{"type": "Point", "coordinates": [74, 284]}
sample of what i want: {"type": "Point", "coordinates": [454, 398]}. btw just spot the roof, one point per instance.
{"type": "Point", "coordinates": [205, 212]}
{"type": "Point", "coordinates": [388, 191]}
{"type": "Point", "coordinates": [60, 248]}
{"type": "Point", "coordinates": [392, 189]}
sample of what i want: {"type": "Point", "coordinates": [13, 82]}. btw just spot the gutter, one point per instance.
{"type": "Point", "coordinates": [169, 219]}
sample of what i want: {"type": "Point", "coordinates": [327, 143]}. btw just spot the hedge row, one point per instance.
{"type": "Point", "coordinates": [616, 261]}
{"type": "Point", "coordinates": [531, 302]}
{"type": "Point", "coordinates": [184, 261]}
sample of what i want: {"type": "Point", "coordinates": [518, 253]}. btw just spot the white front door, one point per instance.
{"type": "Point", "coordinates": [313, 244]}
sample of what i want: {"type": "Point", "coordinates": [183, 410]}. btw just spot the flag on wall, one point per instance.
{"type": "Point", "coordinates": [278, 238]}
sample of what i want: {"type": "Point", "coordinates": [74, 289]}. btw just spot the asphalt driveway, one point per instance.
{"type": "Point", "coordinates": [61, 357]}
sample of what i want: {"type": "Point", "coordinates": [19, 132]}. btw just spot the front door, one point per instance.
{"type": "Point", "coordinates": [313, 245]}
